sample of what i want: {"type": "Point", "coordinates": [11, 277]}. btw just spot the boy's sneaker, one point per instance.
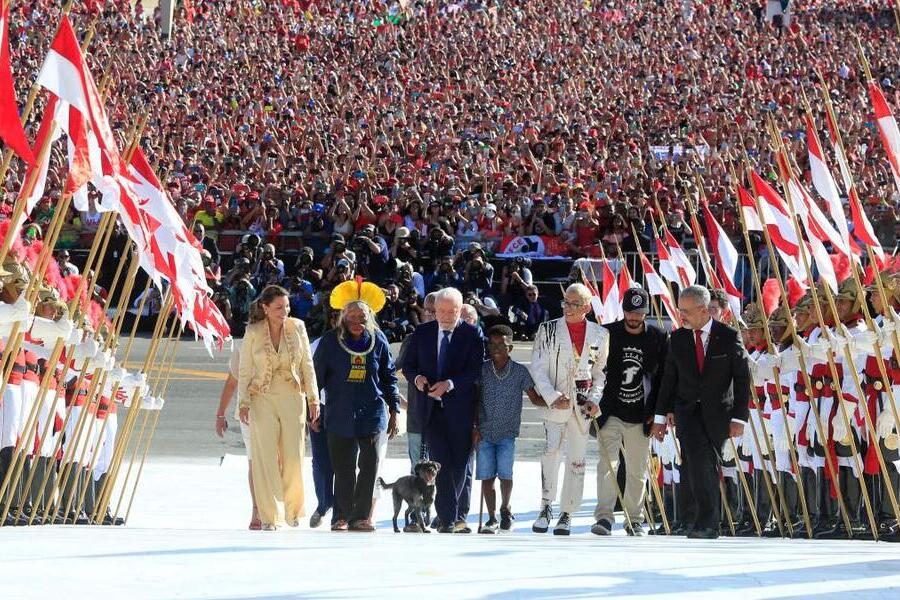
{"type": "Point", "coordinates": [506, 519]}
{"type": "Point", "coordinates": [542, 523]}
{"type": "Point", "coordinates": [490, 527]}
{"type": "Point", "coordinates": [564, 525]}
{"type": "Point", "coordinates": [602, 527]}
{"type": "Point", "coordinates": [634, 529]}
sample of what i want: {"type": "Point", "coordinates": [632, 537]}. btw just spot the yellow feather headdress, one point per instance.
{"type": "Point", "coordinates": [351, 291]}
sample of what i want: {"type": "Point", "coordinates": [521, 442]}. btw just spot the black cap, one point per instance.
{"type": "Point", "coordinates": [636, 300]}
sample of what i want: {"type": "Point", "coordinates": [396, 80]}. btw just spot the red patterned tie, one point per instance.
{"type": "Point", "coordinates": [698, 347]}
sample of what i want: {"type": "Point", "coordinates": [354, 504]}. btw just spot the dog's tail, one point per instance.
{"type": "Point", "coordinates": [384, 485]}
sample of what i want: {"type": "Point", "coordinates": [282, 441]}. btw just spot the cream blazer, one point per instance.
{"type": "Point", "coordinates": [259, 359]}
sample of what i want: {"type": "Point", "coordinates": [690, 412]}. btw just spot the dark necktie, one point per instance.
{"type": "Point", "coordinates": [442, 353]}
{"type": "Point", "coordinates": [698, 341]}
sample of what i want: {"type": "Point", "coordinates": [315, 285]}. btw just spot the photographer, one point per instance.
{"type": "Point", "coordinates": [527, 315]}
{"type": "Point", "coordinates": [248, 248]}
{"type": "Point", "coordinates": [270, 269]}
{"type": "Point", "coordinates": [403, 249]}
{"type": "Point", "coordinates": [335, 252]}
{"type": "Point", "coordinates": [443, 276]}
{"type": "Point", "coordinates": [240, 268]}
{"type": "Point", "coordinates": [241, 294]}
{"type": "Point", "coordinates": [302, 297]}
{"type": "Point", "coordinates": [516, 279]}
{"type": "Point", "coordinates": [394, 317]}
{"type": "Point", "coordinates": [409, 282]}
{"type": "Point", "coordinates": [303, 266]}
{"type": "Point", "coordinates": [438, 244]}
{"type": "Point", "coordinates": [371, 255]}
{"type": "Point", "coordinates": [478, 275]}
{"type": "Point", "coordinates": [341, 271]}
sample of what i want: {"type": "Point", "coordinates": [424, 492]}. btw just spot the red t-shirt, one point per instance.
{"type": "Point", "coordinates": [577, 331]}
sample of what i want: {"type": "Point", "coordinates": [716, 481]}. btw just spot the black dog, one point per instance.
{"type": "Point", "coordinates": [418, 492]}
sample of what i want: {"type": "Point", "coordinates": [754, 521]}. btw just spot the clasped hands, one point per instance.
{"type": "Point", "coordinates": [437, 390]}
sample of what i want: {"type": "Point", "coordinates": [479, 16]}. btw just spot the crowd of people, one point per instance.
{"type": "Point", "coordinates": [390, 134]}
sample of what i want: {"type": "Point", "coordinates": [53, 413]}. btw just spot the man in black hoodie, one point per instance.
{"type": "Point", "coordinates": [637, 352]}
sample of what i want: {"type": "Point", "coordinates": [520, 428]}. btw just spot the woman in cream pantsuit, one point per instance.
{"type": "Point", "coordinates": [276, 385]}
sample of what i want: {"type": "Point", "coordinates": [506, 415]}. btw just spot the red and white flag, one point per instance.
{"type": "Point", "coordinates": [862, 228]}
{"type": "Point", "coordinates": [656, 287]}
{"type": "Point", "coordinates": [815, 224]}
{"type": "Point", "coordinates": [773, 214]}
{"type": "Point", "coordinates": [625, 281]}
{"type": "Point", "coordinates": [611, 300]}
{"type": "Point", "coordinates": [887, 127]}
{"type": "Point", "coordinates": [824, 183]}
{"type": "Point", "coordinates": [674, 264]}
{"type": "Point", "coordinates": [11, 131]}
{"type": "Point", "coordinates": [727, 259]}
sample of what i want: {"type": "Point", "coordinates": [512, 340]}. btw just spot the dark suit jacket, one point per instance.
{"type": "Point", "coordinates": [723, 389]}
{"type": "Point", "coordinates": [463, 368]}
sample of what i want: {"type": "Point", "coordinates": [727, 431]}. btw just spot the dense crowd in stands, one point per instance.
{"type": "Point", "coordinates": [406, 141]}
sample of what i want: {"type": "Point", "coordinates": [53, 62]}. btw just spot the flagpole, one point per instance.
{"type": "Point", "coordinates": [828, 335]}
{"type": "Point", "coordinates": [120, 448]}
{"type": "Point", "coordinates": [132, 271]}
{"type": "Point", "coordinates": [174, 341]}
{"type": "Point", "coordinates": [773, 350]}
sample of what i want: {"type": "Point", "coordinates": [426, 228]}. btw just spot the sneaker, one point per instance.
{"type": "Point", "coordinates": [564, 525]}
{"type": "Point", "coordinates": [634, 529]}
{"type": "Point", "coordinates": [490, 527]}
{"type": "Point", "coordinates": [542, 524]}
{"type": "Point", "coordinates": [412, 528]}
{"type": "Point", "coordinates": [602, 527]}
{"type": "Point", "coordinates": [506, 519]}
{"type": "Point", "coordinates": [461, 527]}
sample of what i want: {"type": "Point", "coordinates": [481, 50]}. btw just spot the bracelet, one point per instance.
{"type": "Point", "coordinates": [220, 416]}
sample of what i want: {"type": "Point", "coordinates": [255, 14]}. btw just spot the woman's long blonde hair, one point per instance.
{"type": "Point", "coordinates": [269, 294]}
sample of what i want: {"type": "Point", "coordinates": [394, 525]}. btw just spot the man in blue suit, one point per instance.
{"type": "Point", "coordinates": [444, 363]}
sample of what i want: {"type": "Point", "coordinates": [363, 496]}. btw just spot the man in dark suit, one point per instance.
{"type": "Point", "coordinates": [705, 393]}
{"type": "Point", "coordinates": [443, 361]}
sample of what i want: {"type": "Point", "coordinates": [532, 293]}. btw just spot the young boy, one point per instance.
{"type": "Point", "coordinates": [499, 417]}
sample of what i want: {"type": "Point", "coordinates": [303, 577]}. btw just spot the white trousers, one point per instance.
{"type": "Point", "coordinates": [107, 443]}
{"type": "Point", "coordinates": [10, 414]}
{"type": "Point", "coordinates": [575, 441]}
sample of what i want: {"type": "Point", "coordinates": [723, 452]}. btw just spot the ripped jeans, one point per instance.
{"type": "Point", "coordinates": [575, 441]}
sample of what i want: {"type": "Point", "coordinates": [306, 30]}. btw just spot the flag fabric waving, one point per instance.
{"type": "Point", "coordinates": [11, 131]}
